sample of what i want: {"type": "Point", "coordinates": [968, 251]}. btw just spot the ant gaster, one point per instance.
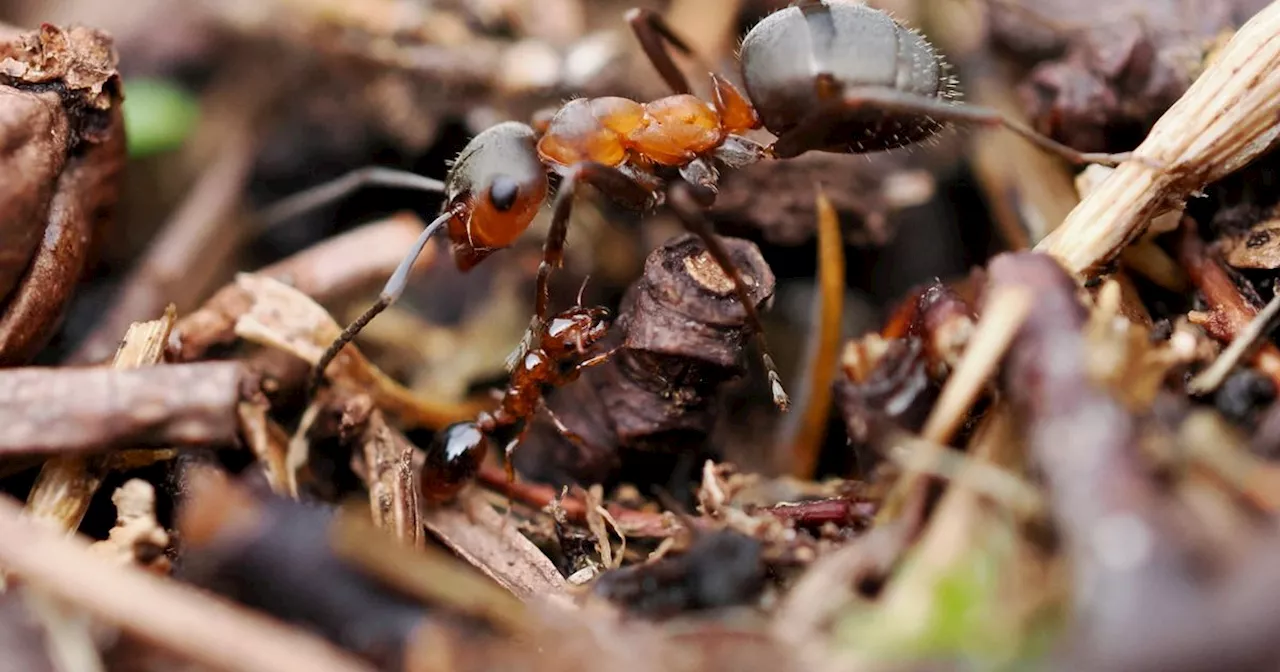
{"type": "Point", "coordinates": [821, 75]}
{"type": "Point", "coordinates": [556, 359]}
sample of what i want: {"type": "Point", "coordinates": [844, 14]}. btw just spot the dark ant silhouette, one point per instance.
{"type": "Point", "coordinates": [822, 75]}
{"type": "Point", "coordinates": [556, 358]}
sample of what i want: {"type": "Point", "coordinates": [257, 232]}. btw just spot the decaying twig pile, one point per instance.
{"type": "Point", "coordinates": [1036, 416]}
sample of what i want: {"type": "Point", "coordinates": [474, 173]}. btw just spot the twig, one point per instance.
{"type": "Point", "coordinates": [207, 629]}
{"type": "Point", "coordinates": [94, 410]}
{"type": "Point", "coordinates": [803, 435]}
{"type": "Point", "coordinates": [1224, 120]}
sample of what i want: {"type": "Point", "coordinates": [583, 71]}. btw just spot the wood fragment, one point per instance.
{"type": "Point", "coordinates": [427, 573]}
{"type": "Point", "coordinates": [1224, 120]}
{"type": "Point", "coordinates": [206, 629]}
{"type": "Point", "coordinates": [389, 476]}
{"type": "Point", "coordinates": [482, 537]}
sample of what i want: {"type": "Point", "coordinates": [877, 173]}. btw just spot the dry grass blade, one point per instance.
{"type": "Point", "coordinates": [1004, 311]}
{"type": "Point", "coordinates": [197, 625]}
{"type": "Point", "coordinates": [285, 318]}
{"type": "Point", "coordinates": [1224, 120]}
{"type": "Point", "coordinates": [806, 430]}
{"type": "Point", "coordinates": [269, 444]}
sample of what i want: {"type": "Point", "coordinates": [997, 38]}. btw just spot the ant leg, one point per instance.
{"type": "Point", "coordinates": [390, 292]}
{"type": "Point", "coordinates": [685, 205]}
{"type": "Point", "coordinates": [333, 190]}
{"type": "Point", "coordinates": [598, 359]}
{"type": "Point", "coordinates": [562, 428]}
{"type": "Point", "coordinates": [618, 185]}
{"type": "Point", "coordinates": [654, 35]}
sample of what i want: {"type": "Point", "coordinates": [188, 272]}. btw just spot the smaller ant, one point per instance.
{"type": "Point", "coordinates": [557, 358]}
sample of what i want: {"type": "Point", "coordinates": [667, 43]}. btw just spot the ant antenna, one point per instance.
{"type": "Point", "coordinates": [328, 192]}
{"type": "Point", "coordinates": [583, 289]}
{"type": "Point", "coordinates": [390, 292]}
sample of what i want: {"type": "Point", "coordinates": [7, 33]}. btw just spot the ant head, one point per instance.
{"type": "Point", "coordinates": [804, 59]}
{"type": "Point", "coordinates": [499, 183]}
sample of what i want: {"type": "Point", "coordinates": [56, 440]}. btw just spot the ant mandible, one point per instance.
{"type": "Point", "coordinates": [556, 358]}
{"type": "Point", "coordinates": [822, 75]}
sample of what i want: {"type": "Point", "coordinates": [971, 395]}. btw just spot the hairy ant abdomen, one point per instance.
{"type": "Point", "coordinates": [801, 59]}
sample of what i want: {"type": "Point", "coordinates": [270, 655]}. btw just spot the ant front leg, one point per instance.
{"type": "Point", "coordinates": [688, 205]}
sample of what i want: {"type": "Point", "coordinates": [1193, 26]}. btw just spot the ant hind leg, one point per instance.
{"type": "Point", "coordinates": [655, 35]}
{"type": "Point", "coordinates": [685, 202]}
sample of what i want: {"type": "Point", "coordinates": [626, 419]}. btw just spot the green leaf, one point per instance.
{"type": "Point", "coordinates": [158, 116]}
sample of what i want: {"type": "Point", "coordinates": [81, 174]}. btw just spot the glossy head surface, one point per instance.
{"type": "Point", "coordinates": [856, 45]}
{"type": "Point", "coordinates": [452, 460]}
{"type": "Point", "coordinates": [502, 183]}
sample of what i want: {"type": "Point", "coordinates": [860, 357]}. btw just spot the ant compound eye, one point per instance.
{"type": "Point", "coordinates": [503, 192]}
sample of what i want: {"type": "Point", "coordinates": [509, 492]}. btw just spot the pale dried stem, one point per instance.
{"type": "Point", "coordinates": [202, 627]}
{"type": "Point", "coordinates": [67, 483]}
{"type": "Point", "coordinates": [1224, 120]}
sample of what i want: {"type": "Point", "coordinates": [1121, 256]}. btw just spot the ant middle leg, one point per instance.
{"type": "Point", "coordinates": [328, 192]}
{"type": "Point", "coordinates": [688, 205]}
{"type": "Point", "coordinates": [655, 35]}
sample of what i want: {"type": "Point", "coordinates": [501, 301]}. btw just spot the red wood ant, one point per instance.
{"type": "Point", "coordinates": [557, 358]}
{"type": "Point", "coordinates": [821, 75]}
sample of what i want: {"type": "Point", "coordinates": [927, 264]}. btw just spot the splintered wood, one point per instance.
{"type": "Point", "coordinates": [1226, 119]}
